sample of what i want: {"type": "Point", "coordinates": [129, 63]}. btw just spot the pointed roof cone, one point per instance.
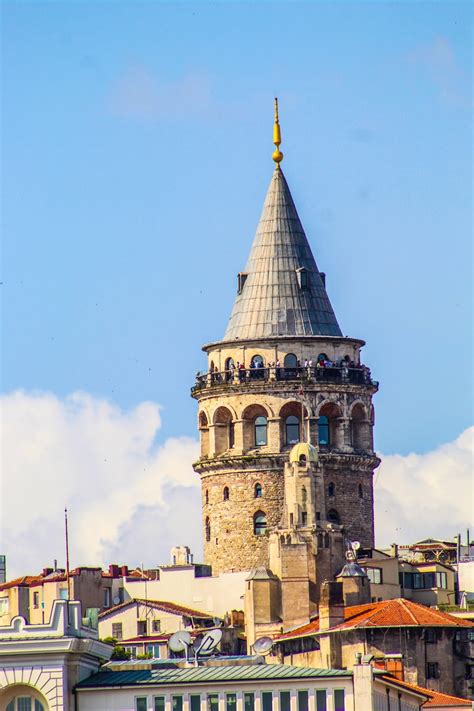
{"type": "Point", "coordinates": [282, 292]}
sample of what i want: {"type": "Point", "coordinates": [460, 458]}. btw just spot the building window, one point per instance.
{"type": "Point", "coordinates": [302, 276]}
{"type": "Point", "coordinates": [260, 431]}
{"type": "Point", "coordinates": [360, 491]}
{"type": "Point", "coordinates": [241, 279]}
{"type": "Point", "coordinates": [249, 701]}
{"type": "Point", "coordinates": [259, 523]}
{"type": "Point", "coordinates": [292, 430]}
{"type": "Point", "coordinates": [331, 489]}
{"type": "Point", "coordinates": [333, 516]}
{"type": "Point", "coordinates": [231, 434]}
{"type": "Point", "coordinates": [63, 594]}
{"type": "Point", "coordinates": [213, 702]}
{"type": "Point", "coordinates": [207, 496]}
{"type": "Point", "coordinates": [285, 703]}
{"type": "Point", "coordinates": [159, 703]}
{"type": "Point", "coordinates": [4, 605]}
{"type": "Point", "coordinates": [24, 703]}
{"type": "Point", "coordinates": [304, 518]}
{"type": "Point", "coordinates": [303, 704]}
{"type": "Point", "coordinates": [195, 702]}
{"type": "Point", "coordinates": [323, 429]}
{"type": "Point", "coordinates": [431, 635]}
{"type": "Point", "coordinates": [156, 625]}
{"type": "Point", "coordinates": [290, 361]}
{"type": "Point", "coordinates": [375, 575]}
{"type": "Point", "coordinates": [339, 700]}
{"type": "Point", "coordinates": [267, 701]}
{"type": "Point", "coordinates": [225, 493]}
{"type": "Point", "coordinates": [441, 580]}
{"type": "Point", "coordinates": [176, 703]}
{"type": "Point", "coordinates": [321, 700]}
{"type": "Point", "coordinates": [107, 597]}
{"type": "Point", "coordinates": [117, 630]}
{"type": "Point", "coordinates": [141, 628]}
{"type": "Point", "coordinates": [153, 650]}
{"type": "Point", "coordinates": [432, 670]}
{"type": "Point", "coordinates": [141, 703]}
{"type": "Point", "coordinates": [258, 491]}
{"type": "Point", "coordinates": [256, 362]}
{"type": "Point", "coordinates": [36, 600]}
{"type": "Point", "coordinates": [208, 529]}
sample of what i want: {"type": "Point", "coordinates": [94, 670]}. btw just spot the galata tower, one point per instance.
{"type": "Point", "coordinates": [283, 373]}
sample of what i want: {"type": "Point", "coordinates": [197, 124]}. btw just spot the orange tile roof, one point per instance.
{"type": "Point", "coordinates": [158, 605]}
{"type": "Point", "coordinates": [388, 613]}
{"type": "Point", "coordinates": [437, 698]}
{"type": "Point", "coordinates": [24, 581]}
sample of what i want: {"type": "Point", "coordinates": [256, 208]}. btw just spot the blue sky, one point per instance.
{"type": "Point", "coordinates": [136, 157]}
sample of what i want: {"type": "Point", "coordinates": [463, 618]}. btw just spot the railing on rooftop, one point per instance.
{"type": "Point", "coordinates": [307, 374]}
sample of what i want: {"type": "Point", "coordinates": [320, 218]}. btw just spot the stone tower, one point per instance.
{"type": "Point", "coordinates": [282, 374]}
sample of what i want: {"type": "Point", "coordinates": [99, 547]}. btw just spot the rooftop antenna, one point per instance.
{"type": "Point", "coordinates": [67, 554]}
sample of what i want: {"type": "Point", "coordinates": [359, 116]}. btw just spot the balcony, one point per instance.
{"type": "Point", "coordinates": [304, 375]}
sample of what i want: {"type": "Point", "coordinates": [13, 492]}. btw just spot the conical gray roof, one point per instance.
{"type": "Point", "coordinates": [276, 300]}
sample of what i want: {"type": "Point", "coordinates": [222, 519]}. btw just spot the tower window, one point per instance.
{"type": "Point", "coordinates": [260, 431]}
{"type": "Point", "coordinates": [291, 361]}
{"type": "Point", "coordinates": [360, 490]}
{"type": "Point", "coordinates": [333, 516]}
{"type": "Point", "coordinates": [256, 362]}
{"type": "Point", "coordinates": [231, 434]}
{"type": "Point", "coordinates": [225, 493]}
{"type": "Point", "coordinates": [304, 518]}
{"type": "Point", "coordinates": [323, 430]}
{"type": "Point", "coordinates": [259, 523]}
{"type": "Point", "coordinates": [241, 279]}
{"type": "Point", "coordinates": [331, 489]}
{"type": "Point", "coordinates": [207, 496]}
{"type": "Point", "coordinates": [208, 529]}
{"type": "Point", "coordinates": [258, 491]}
{"type": "Point", "coordinates": [292, 430]}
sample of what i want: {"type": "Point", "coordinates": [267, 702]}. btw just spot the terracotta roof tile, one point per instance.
{"type": "Point", "coordinates": [158, 605]}
{"type": "Point", "coordinates": [437, 698]}
{"type": "Point", "coordinates": [388, 613]}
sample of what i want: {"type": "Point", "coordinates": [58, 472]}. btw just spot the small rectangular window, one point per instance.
{"type": "Point", "coordinates": [267, 701]}
{"type": "Point", "coordinates": [63, 594]}
{"type": "Point", "coordinates": [432, 670]}
{"type": "Point", "coordinates": [195, 702]}
{"type": "Point", "coordinates": [141, 627]}
{"type": "Point", "coordinates": [159, 703]}
{"type": "Point", "coordinates": [249, 701]}
{"type": "Point", "coordinates": [156, 626]}
{"type": "Point", "coordinates": [117, 630]}
{"type": "Point", "coordinates": [285, 704]}
{"type": "Point", "coordinates": [177, 703]}
{"type": "Point", "coordinates": [321, 700]}
{"type": "Point", "coordinates": [24, 704]}
{"type": "Point", "coordinates": [141, 703]}
{"type": "Point", "coordinates": [213, 702]}
{"type": "Point", "coordinates": [374, 575]}
{"type": "Point", "coordinates": [106, 597]}
{"type": "Point", "coordinates": [304, 518]}
{"type": "Point", "coordinates": [303, 704]}
{"type": "Point", "coordinates": [36, 600]}
{"type": "Point", "coordinates": [431, 635]}
{"type": "Point", "coordinates": [339, 700]}
{"type": "Point", "coordinates": [4, 605]}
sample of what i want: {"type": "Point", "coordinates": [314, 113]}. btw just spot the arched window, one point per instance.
{"type": "Point", "coordinates": [361, 492]}
{"type": "Point", "coordinates": [24, 703]}
{"type": "Point", "coordinates": [229, 369]}
{"type": "Point", "coordinates": [259, 523]}
{"type": "Point", "coordinates": [322, 357]}
{"type": "Point", "coordinates": [302, 459]}
{"type": "Point", "coordinates": [258, 491]}
{"type": "Point", "coordinates": [290, 361]}
{"type": "Point", "coordinates": [225, 493]}
{"type": "Point", "coordinates": [333, 516]}
{"type": "Point", "coordinates": [292, 430]}
{"type": "Point", "coordinates": [260, 425]}
{"type": "Point", "coordinates": [331, 489]}
{"type": "Point", "coordinates": [323, 429]}
{"type": "Point", "coordinates": [207, 496]}
{"type": "Point", "coordinates": [208, 529]}
{"type": "Point", "coordinates": [229, 364]}
{"type": "Point", "coordinates": [257, 361]}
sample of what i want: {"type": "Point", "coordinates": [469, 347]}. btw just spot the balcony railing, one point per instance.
{"type": "Point", "coordinates": [309, 374]}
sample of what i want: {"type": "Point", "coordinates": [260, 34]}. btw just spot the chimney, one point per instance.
{"type": "Point", "coordinates": [114, 570]}
{"type": "Point", "coordinates": [331, 605]}
{"type": "Point", "coordinates": [47, 571]}
{"type": "Point", "coordinates": [124, 571]}
{"type": "Point", "coordinates": [394, 550]}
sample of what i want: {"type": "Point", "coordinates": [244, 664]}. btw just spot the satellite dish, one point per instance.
{"type": "Point", "coordinates": [179, 641]}
{"type": "Point", "coordinates": [262, 645]}
{"type": "Point", "coordinates": [209, 642]}
{"type": "Point", "coordinates": [116, 600]}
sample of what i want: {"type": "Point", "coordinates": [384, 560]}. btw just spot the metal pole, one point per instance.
{"type": "Point", "coordinates": [67, 554]}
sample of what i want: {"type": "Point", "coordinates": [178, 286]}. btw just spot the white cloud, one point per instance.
{"type": "Point", "coordinates": [438, 59]}
{"type": "Point", "coordinates": [425, 495]}
{"type": "Point", "coordinates": [104, 464]}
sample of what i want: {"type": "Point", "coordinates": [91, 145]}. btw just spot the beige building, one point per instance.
{"type": "Point", "coordinates": [283, 373]}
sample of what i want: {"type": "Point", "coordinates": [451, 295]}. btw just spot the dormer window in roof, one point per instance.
{"type": "Point", "coordinates": [241, 279]}
{"type": "Point", "coordinates": [302, 276]}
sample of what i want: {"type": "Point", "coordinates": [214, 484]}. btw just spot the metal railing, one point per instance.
{"type": "Point", "coordinates": [332, 374]}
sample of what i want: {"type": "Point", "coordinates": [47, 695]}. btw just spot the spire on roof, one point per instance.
{"type": "Point", "coordinates": [281, 291]}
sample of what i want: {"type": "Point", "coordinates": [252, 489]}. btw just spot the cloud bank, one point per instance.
{"type": "Point", "coordinates": [130, 499]}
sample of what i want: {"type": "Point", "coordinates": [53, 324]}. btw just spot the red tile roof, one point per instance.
{"type": "Point", "coordinates": [171, 607]}
{"type": "Point", "coordinates": [24, 581]}
{"type": "Point", "coordinates": [144, 639]}
{"type": "Point", "coordinates": [388, 613]}
{"type": "Point", "coordinates": [437, 698]}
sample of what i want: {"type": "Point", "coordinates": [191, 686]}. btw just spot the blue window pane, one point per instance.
{"type": "Point", "coordinates": [195, 702]}
{"type": "Point", "coordinates": [285, 701]}
{"type": "Point", "coordinates": [267, 701]}
{"type": "Point", "coordinates": [321, 700]}
{"type": "Point", "coordinates": [303, 701]}
{"type": "Point", "coordinates": [339, 700]}
{"type": "Point", "coordinates": [249, 701]}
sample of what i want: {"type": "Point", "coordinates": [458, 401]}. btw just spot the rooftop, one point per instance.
{"type": "Point", "coordinates": [165, 606]}
{"type": "Point", "coordinates": [437, 698]}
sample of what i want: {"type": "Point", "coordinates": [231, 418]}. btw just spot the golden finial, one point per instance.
{"type": "Point", "coordinates": [277, 154]}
